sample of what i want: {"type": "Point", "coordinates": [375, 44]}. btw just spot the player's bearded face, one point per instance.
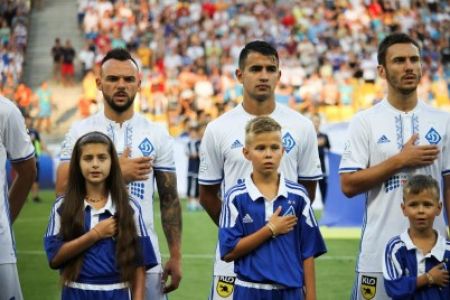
{"type": "Point", "coordinates": [116, 105]}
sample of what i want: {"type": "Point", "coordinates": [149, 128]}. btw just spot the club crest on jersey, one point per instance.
{"type": "Point", "coordinates": [225, 286]}
{"type": "Point", "coordinates": [288, 142]}
{"type": "Point", "coordinates": [146, 147]}
{"type": "Point", "coordinates": [433, 137]}
{"type": "Point", "coordinates": [368, 287]}
{"type": "Point", "coordinates": [290, 211]}
{"type": "Point", "coordinates": [383, 140]}
{"type": "Point", "coordinates": [236, 144]}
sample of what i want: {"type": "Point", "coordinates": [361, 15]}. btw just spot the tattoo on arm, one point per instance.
{"type": "Point", "coordinates": [170, 207]}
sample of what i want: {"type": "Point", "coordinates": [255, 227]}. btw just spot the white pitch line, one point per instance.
{"type": "Point", "coordinates": [200, 256]}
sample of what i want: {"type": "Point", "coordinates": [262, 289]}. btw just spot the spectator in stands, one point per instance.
{"type": "Point", "coordinates": [45, 103]}
{"type": "Point", "coordinates": [68, 67]}
{"type": "Point", "coordinates": [39, 147]}
{"type": "Point", "coordinates": [56, 52]}
{"type": "Point", "coordinates": [324, 146]}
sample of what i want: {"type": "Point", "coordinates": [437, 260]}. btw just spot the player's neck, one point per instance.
{"type": "Point", "coordinates": [267, 184]}
{"type": "Point", "coordinates": [401, 101]}
{"type": "Point", "coordinates": [423, 239]}
{"type": "Point", "coordinates": [258, 108]}
{"type": "Point", "coordinates": [118, 117]}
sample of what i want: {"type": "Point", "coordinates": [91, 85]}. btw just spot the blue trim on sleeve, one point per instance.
{"type": "Point", "coordinates": [209, 182]}
{"type": "Point", "coordinates": [346, 170]}
{"type": "Point", "coordinates": [310, 177]}
{"type": "Point", "coordinates": [445, 172]}
{"type": "Point", "coordinates": [165, 169]}
{"type": "Point", "coordinates": [23, 158]}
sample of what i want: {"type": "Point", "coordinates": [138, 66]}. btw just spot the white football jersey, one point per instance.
{"type": "Point", "coordinates": [222, 161]}
{"type": "Point", "coordinates": [144, 138]}
{"type": "Point", "coordinates": [374, 135]}
{"type": "Point", "coordinates": [15, 145]}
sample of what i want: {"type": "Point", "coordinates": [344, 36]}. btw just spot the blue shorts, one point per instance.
{"type": "Point", "coordinates": [266, 293]}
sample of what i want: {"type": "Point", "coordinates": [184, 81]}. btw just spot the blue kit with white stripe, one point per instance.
{"type": "Point", "coordinates": [276, 265]}
{"type": "Point", "coordinates": [99, 277]}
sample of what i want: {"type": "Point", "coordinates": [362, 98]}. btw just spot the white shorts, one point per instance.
{"type": "Point", "coordinates": [222, 288]}
{"type": "Point", "coordinates": [9, 283]}
{"type": "Point", "coordinates": [153, 287]}
{"type": "Point", "coordinates": [369, 286]}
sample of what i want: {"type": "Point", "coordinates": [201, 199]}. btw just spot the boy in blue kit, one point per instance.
{"type": "Point", "coordinates": [416, 262]}
{"type": "Point", "coordinates": [267, 226]}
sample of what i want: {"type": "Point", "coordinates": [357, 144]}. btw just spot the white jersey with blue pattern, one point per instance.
{"type": "Point", "coordinates": [144, 138]}
{"type": "Point", "coordinates": [15, 145]}
{"type": "Point", "coordinates": [374, 135]}
{"type": "Point", "coordinates": [222, 161]}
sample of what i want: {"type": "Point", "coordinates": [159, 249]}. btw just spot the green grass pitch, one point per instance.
{"type": "Point", "coordinates": [334, 270]}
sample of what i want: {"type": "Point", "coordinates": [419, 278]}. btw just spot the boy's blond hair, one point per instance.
{"type": "Point", "coordinates": [419, 183]}
{"type": "Point", "coordinates": [260, 124]}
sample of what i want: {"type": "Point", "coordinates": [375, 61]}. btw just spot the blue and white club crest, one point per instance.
{"type": "Point", "coordinates": [290, 211]}
{"type": "Point", "coordinates": [288, 142]}
{"type": "Point", "coordinates": [433, 137]}
{"type": "Point", "coordinates": [146, 147]}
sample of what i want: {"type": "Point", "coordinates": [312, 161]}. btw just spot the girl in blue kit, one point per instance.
{"type": "Point", "coordinates": [95, 235]}
{"type": "Point", "coordinates": [416, 262]}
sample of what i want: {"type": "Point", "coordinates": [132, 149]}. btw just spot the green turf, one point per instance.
{"type": "Point", "coordinates": [334, 271]}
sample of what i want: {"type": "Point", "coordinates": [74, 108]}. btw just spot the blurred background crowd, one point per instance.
{"type": "Point", "coordinates": [188, 52]}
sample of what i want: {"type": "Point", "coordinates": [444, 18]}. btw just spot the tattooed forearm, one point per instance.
{"type": "Point", "coordinates": [170, 208]}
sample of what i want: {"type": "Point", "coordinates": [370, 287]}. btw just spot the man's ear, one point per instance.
{"type": "Point", "coordinates": [381, 71]}
{"type": "Point", "coordinates": [238, 74]}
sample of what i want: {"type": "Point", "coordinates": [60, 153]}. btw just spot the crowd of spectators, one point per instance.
{"type": "Point", "coordinates": [14, 22]}
{"type": "Point", "coordinates": [13, 43]}
{"type": "Point", "coordinates": [189, 50]}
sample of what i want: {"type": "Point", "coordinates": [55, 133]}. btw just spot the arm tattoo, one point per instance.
{"type": "Point", "coordinates": [170, 207]}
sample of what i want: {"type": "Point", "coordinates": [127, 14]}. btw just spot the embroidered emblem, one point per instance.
{"type": "Point", "coordinates": [146, 147]}
{"type": "Point", "coordinates": [433, 136]}
{"type": "Point", "coordinates": [247, 219]}
{"type": "Point", "coordinates": [288, 142]}
{"type": "Point", "coordinates": [225, 286]}
{"type": "Point", "coordinates": [383, 139]}
{"type": "Point", "coordinates": [368, 287]}
{"type": "Point", "coordinates": [290, 211]}
{"type": "Point", "coordinates": [236, 144]}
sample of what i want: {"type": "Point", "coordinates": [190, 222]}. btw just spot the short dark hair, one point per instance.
{"type": "Point", "coordinates": [119, 54]}
{"type": "Point", "coordinates": [419, 183]}
{"type": "Point", "coordinates": [257, 46]}
{"type": "Point", "coordinates": [392, 39]}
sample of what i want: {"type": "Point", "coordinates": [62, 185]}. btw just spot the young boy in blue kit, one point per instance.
{"type": "Point", "coordinates": [416, 262]}
{"type": "Point", "coordinates": [268, 227]}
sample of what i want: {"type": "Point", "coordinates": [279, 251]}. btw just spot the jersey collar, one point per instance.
{"type": "Point", "coordinates": [438, 250]}
{"type": "Point", "coordinates": [255, 194]}
{"type": "Point", "coordinates": [386, 103]}
{"type": "Point", "coordinates": [109, 207]}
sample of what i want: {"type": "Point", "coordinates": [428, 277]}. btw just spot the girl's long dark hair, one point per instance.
{"type": "Point", "coordinates": [72, 211]}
